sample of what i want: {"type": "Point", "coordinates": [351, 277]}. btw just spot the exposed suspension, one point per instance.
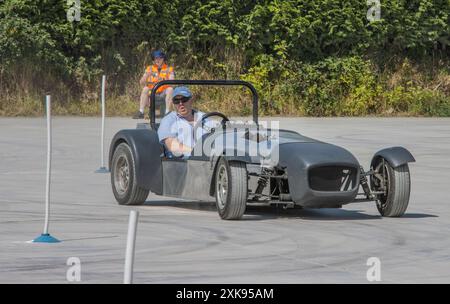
{"type": "Point", "coordinates": [364, 184]}
{"type": "Point", "coordinates": [266, 172]}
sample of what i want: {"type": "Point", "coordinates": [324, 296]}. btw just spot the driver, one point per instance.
{"type": "Point", "coordinates": [176, 130]}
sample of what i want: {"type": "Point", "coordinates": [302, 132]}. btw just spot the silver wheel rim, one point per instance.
{"type": "Point", "coordinates": [122, 175]}
{"type": "Point", "coordinates": [222, 187]}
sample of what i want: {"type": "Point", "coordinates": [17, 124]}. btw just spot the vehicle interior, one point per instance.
{"type": "Point", "coordinates": [216, 118]}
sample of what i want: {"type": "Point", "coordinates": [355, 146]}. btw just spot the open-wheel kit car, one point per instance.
{"type": "Point", "coordinates": [294, 170]}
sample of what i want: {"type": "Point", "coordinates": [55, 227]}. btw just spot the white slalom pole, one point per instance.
{"type": "Point", "coordinates": [129, 254]}
{"type": "Point", "coordinates": [45, 237]}
{"type": "Point", "coordinates": [49, 162]}
{"type": "Point", "coordinates": [102, 168]}
{"type": "Point", "coordinates": [103, 119]}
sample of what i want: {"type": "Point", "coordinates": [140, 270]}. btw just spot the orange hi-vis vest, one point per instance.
{"type": "Point", "coordinates": [157, 75]}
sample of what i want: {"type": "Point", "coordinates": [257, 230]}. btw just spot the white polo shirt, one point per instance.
{"type": "Point", "coordinates": [176, 126]}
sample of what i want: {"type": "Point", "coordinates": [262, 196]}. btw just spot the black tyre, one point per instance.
{"type": "Point", "coordinates": [231, 189]}
{"type": "Point", "coordinates": [123, 178]}
{"type": "Point", "coordinates": [396, 185]}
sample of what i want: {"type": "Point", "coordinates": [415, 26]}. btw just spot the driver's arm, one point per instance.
{"type": "Point", "coordinates": [174, 146]}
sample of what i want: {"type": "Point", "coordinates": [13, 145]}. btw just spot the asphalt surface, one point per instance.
{"type": "Point", "coordinates": [186, 242]}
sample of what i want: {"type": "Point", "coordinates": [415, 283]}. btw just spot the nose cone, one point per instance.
{"type": "Point", "coordinates": [300, 158]}
{"type": "Point", "coordinates": [314, 153]}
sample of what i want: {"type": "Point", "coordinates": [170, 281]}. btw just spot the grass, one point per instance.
{"type": "Point", "coordinates": [405, 89]}
{"type": "Point", "coordinates": [396, 102]}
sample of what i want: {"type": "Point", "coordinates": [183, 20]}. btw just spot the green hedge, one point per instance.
{"type": "Point", "coordinates": [316, 57]}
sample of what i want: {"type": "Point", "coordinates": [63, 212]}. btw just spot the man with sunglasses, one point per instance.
{"type": "Point", "coordinates": [176, 131]}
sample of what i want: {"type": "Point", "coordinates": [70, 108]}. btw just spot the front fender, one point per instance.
{"type": "Point", "coordinates": [144, 144]}
{"type": "Point", "coordinates": [395, 156]}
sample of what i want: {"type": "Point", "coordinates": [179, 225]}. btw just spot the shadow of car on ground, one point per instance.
{"type": "Point", "coordinates": [256, 213]}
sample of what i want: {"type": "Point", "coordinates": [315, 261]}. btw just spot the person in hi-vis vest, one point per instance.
{"type": "Point", "coordinates": [160, 70]}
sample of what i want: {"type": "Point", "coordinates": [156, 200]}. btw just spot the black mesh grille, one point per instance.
{"type": "Point", "coordinates": [332, 178]}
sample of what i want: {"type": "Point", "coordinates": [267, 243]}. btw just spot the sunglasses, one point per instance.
{"type": "Point", "coordinates": [180, 100]}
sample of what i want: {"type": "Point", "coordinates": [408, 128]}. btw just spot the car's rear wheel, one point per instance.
{"type": "Point", "coordinates": [123, 177]}
{"type": "Point", "coordinates": [396, 185]}
{"type": "Point", "coordinates": [231, 189]}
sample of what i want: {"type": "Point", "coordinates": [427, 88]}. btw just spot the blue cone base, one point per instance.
{"type": "Point", "coordinates": [45, 238]}
{"type": "Point", "coordinates": [102, 170]}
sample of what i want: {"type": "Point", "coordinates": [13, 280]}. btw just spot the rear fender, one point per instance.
{"type": "Point", "coordinates": [146, 149]}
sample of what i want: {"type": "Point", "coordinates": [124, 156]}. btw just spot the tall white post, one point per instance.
{"type": "Point", "coordinates": [129, 254]}
{"type": "Point", "coordinates": [45, 237]}
{"type": "Point", "coordinates": [102, 168]}
{"type": "Point", "coordinates": [49, 162]}
{"type": "Point", "coordinates": [103, 119]}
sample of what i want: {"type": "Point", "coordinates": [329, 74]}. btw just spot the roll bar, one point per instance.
{"type": "Point", "coordinates": [203, 82]}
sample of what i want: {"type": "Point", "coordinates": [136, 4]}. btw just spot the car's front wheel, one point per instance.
{"type": "Point", "coordinates": [231, 189]}
{"type": "Point", "coordinates": [123, 177]}
{"type": "Point", "coordinates": [396, 185]}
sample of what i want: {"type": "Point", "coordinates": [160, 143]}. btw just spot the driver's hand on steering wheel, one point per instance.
{"type": "Point", "coordinates": [176, 147]}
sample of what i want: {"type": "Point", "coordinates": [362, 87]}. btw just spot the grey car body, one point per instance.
{"type": "Point", "coordinates": [306, 172]}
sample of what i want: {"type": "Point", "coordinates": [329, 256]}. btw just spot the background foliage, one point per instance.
{"type": "Point", "coordinates": [315, 57]}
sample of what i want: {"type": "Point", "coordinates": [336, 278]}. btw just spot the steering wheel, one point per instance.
{"type": "Point", "coordinates": [201, 123]}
